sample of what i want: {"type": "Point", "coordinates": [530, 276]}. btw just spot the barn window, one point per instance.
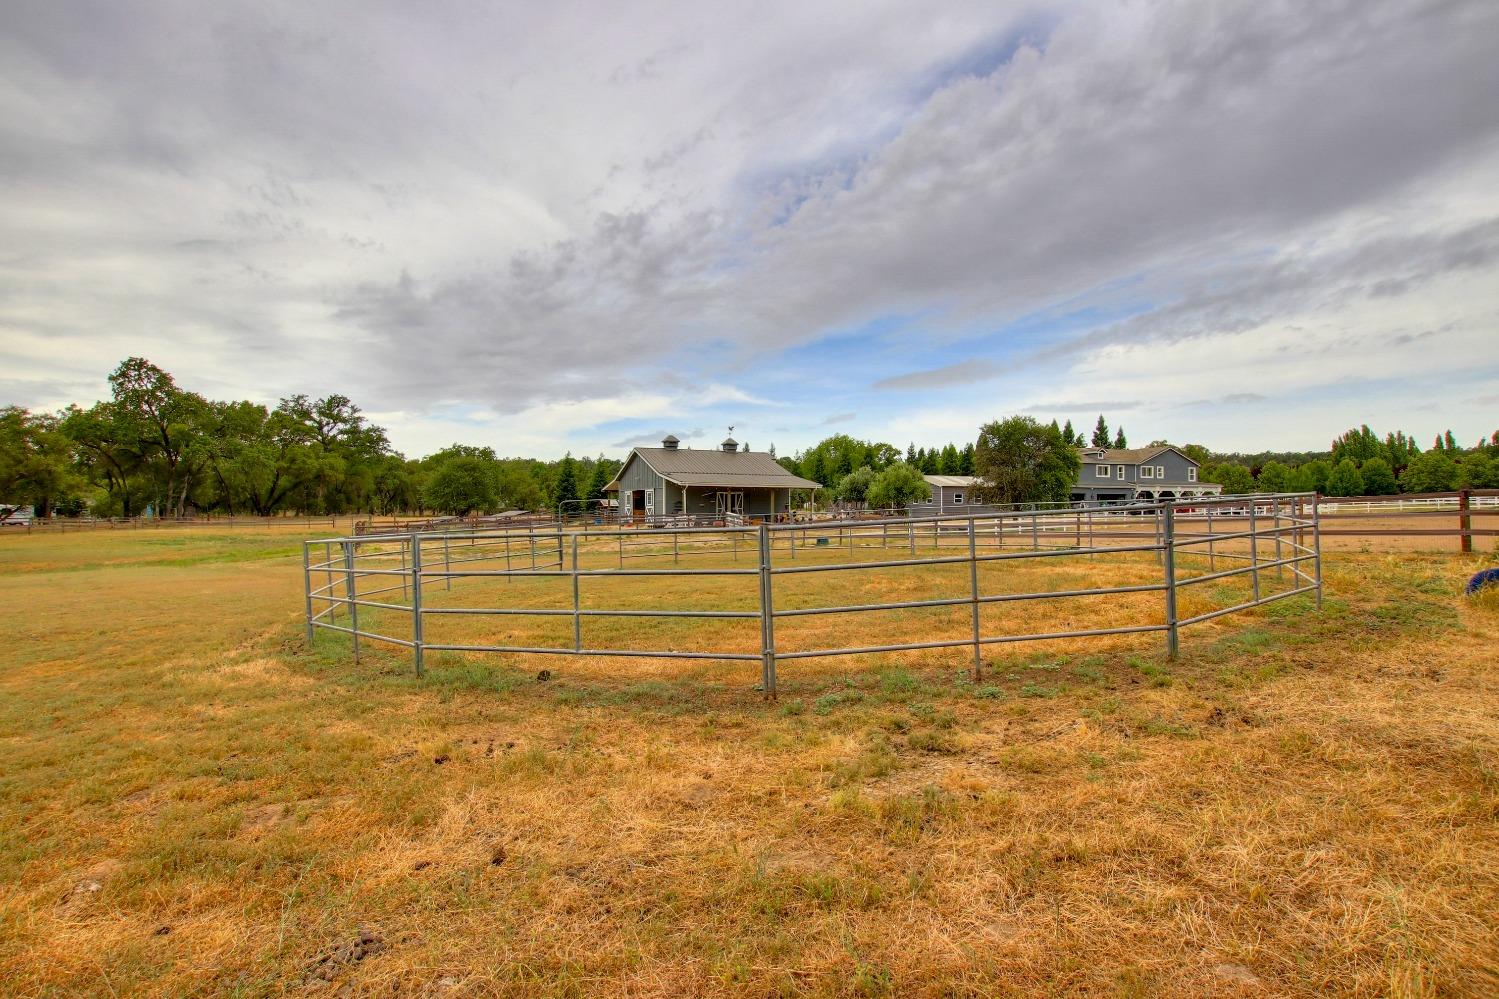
{"type": "Point", "coordinates": [957, 499]}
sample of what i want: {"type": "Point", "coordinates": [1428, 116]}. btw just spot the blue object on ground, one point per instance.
{"type": "Point", "coordinates": [1488, 577]}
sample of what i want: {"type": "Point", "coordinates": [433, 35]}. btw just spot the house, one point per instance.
{"type": "Point", "coordinates": [950, 494]}
{"type": "Point", "coordinates": [1143, 473]}
{"type": "Point", "coordinates": [656, 483]}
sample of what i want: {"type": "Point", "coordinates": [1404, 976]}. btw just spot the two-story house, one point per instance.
{"type": "Point", "coordinates": [1142, 473]}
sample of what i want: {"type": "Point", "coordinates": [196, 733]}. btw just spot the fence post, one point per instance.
{"type": "Point", "coordinates": [1212, 555]}
{"type": "Point", "coordinates": [973, 586]}
{"type": "Point", "coordinates": [1317, 543]}
{"type": "Point", "coordinates": [447, 560]}
{"type": "Point", "coordinates": [531, 533]}
{"type": "Point", "coordinates": [577, 606]}
{"type": "Point", "coordinates": [350, 593]}
{"type": "Point", "coordinates": [1280, 570]}
{"type": "Point", "coordinates": [1168, 555]}
{"type": "Point", "coordinates": [307, 582]}
{"type": "Point", "coordinates": [1035, 525]}
{"type": "Point", "coordinates": [767, 620]}
{"type": "Point", "coordinates": [1464, 524]}
{"type": "Point", "coordinates": [675, 553]}
{"type": "Point", "coordinates": [1254, 551]}
{"type": "Point", "coordinates": [416, 605]}
{"type": "Point", "coordinates": [404, 580]}
{"type": "Point", "coordinates": [911, 534]}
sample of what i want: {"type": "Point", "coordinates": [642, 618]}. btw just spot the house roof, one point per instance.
{"type": "Point", "coordinates": [744, 469]}
{"type": "Point", "coordinates": [1125, 456]}
{"type": "Point", "coordinates": [951, 481]}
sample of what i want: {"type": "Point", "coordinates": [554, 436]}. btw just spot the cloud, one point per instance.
{"type": "Point", "coordinates": [837, 418]}
{"type": "Point", "coordinates": [960, 373]}
{"type": "Point", "coordinates": [544, 211]}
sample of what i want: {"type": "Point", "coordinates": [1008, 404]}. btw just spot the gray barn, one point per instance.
{"type": "Point", "coordinates": [1142, 473]}
{"type": "Point", "coordinates": [658, 483]}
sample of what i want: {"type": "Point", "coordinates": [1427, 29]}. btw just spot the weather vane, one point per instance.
{"type": "Point", "coordinates": [731, 429]}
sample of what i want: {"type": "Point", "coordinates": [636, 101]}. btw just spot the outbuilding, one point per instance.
{"type": "Point", "coordinates": [657, 484]}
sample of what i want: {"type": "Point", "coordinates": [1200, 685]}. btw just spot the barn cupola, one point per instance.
{"type": "Point", "coordinates": [730, 445]}
{"type": "Point", "coordinates": [669, 442]}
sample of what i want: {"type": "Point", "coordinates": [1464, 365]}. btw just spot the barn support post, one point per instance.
{"type": "Point", "coordinates": [307, 583]}
{"type": "Point", "coordinates": [767, 620]}
{"type": "Point", "coordinates": [1168, 555]}
{"type": "Point", "coordinates": [416, 605]}
{"type": "Point", "coordinates": [351, 593]}
{"type": "Point", "coordinates": [973, 590]}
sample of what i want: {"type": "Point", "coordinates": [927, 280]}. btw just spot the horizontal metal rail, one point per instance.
{"type": "Point", "coordinates": [422, 564]}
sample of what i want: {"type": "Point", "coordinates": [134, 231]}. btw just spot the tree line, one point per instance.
{"type": "Point", "coordinates": [156, 448]}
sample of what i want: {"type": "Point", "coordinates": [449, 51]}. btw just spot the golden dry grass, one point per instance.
{"type": "Point", "coordinates": [192, 802]}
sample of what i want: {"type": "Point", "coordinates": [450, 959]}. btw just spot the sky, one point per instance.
{"type": "Point", "coordinates": [577, 227]}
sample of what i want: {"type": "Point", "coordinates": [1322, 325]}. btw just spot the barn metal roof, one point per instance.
{"type": "Point", "coordinates": [747, 469]}
{"type": "Point", "coordinates": [951, 481]}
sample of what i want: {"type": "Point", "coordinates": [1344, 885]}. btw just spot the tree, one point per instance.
{"type": "Point", "coordinates": [898, 485]}
{"type": "Point", "coordinates": [600, 478]}
{"type": "Point", "coordinates": [461, 485]}
{"type": "Point", "coordinates": [1275, 477]}
{"type": "Point", "coordinates": [1120, 441]}
{"type": "Point", "coordinates": [36, 465]}
{"type": "Point", "coordinates": [1068, 432]}
{"type": "Point", "coordinates": [1018, 460]}
{"type": "Point", "coordinates": [1357, 445]}
{"type": "Point", "coordinates": [565, 493]}
{"type": "Point", "coordinates": [1379, 478]}
{"type": "Point", "coordinates": [1232, 476]}
{"type": "Point", "coordinates": [1431, 472]}
{"type": "Point", "coordinates": [1477, 471]}
{"type": "Point", "coordinates": [1345, 480]}
{"type": "Point", "coordinates": [1449, 442]}
{"type": "Point", "coordinates": [854, 487]}
{"type": "Point", "coordinates": [1100, 433]}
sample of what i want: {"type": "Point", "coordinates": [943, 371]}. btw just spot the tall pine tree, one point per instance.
{"type": "Point", "coordinates": [1120, 441]}
{"type": "Point", "coordinates": [1100, 433]}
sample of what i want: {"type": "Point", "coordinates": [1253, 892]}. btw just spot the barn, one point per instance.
{"type": "Point", "coordinates": [671, 482]}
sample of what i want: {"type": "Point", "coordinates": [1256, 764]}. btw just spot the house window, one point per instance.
{"type": "Point", "coordinates": [1147, 472]}
{"type": "Point", "coordinates": [1191, 475]}
{"type": "Point", "coordinates": [957, 499]}
{"type": "Point", "coordinates": [1102, 471]}
{"type": "Point", "coordinates": [1160, 471]}
{"type": "Point", "coordinates": [1119, 472]}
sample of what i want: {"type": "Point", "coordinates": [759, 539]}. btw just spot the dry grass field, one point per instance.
{"type": "Point", "coordinates": [194, 803]}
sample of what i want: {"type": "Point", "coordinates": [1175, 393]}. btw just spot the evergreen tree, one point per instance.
{"type": "Point", "coordinates": [565, 493]}
{"type": "Point", "coordinates": [1101, 433]}
{"type": "Point", "coordinates": [1068, 433]}
{"type": "Point", "coordinates": [1120, 441]}
{"type": "Point", "coordinates": [965, 459]}
{"type": "Point", "coordinates": [912, 458]}
{"type": "Point", "coordinates": [1449, 442]}
{"type": "Point", "coordinates": [599, 479]}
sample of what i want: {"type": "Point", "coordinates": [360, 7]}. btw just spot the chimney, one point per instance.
{"type": "Point", "coordinates": [730, 445]}
{"type": "Point", "coordinates": [669, 442]}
